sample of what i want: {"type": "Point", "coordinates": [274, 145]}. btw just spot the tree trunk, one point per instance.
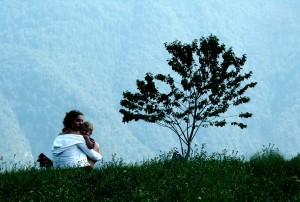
{"type": "Point", "coordinates": [188, 149]}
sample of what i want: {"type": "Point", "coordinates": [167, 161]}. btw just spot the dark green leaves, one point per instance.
{"type": "Point", "coordinates": [209, 81]}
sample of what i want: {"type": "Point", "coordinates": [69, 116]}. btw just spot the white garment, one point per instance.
{"type": "Point", "coordinates": [70, 150]}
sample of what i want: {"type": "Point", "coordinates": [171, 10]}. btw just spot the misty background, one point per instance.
{"type": "Point", "coordinates": [56, 56]}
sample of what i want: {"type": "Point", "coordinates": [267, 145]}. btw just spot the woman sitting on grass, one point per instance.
{"type": "Point", "coordinates": [69, 148]}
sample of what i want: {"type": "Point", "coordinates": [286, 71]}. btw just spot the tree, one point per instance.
{"type": "Point", "coordinates": [209, 80]}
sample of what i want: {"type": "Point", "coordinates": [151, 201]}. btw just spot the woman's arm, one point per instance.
{"type": "Point", "coordinates": [90, 152]}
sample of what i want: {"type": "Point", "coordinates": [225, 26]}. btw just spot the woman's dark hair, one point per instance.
{"type": "Point", "coordinates": [70, 117]}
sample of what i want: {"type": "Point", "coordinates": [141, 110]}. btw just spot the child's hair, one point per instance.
{"type": "Point", "coordinates": [87, 126]}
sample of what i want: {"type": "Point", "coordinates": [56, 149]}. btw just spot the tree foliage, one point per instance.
{"type": "Point", "coordinates": [208, 82]}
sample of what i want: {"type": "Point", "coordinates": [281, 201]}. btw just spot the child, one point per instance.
{"type": "Point", "coordinates": [86, 131]}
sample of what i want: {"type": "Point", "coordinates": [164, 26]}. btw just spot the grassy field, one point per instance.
{"type": "Point", "coordinates": [266, 176]}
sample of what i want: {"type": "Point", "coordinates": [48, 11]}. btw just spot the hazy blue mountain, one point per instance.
{"type": "Point", "coordinates": [56, 56]}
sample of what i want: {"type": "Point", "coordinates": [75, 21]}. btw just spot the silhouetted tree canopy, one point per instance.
{"type": "Point", "coordinates": [208, 82]}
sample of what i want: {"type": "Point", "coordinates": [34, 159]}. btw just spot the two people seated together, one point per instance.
{"type": "Point", "coordinates": [74, 147]}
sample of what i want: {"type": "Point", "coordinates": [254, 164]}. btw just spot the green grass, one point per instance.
{"type": "Point", "coordinates": [266, 176]}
